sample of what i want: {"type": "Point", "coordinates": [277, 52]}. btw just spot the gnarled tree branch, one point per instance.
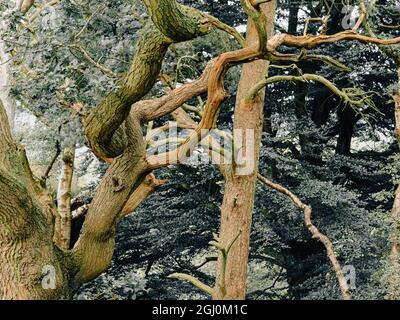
{"type": "Point", "coordinates": [171, 23]}
{"type": "Point", "coordinates": [93, 251]}
{"type": "Point", "coordinates": [148, 110]}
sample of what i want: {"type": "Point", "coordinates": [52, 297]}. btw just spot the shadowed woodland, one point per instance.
{"type": "Point", "coordinates": [93, 204]}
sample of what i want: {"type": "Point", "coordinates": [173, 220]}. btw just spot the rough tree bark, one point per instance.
{"type": "Point", "coordinates": [33, 266]}
{"type": "Point", "coordinates": [237, 206]}
{"type": "Point", "coordinates": [394, 258]}
{"type": "Point", "coordinates": [4, 84]}
{"type": "Point", "coordinates": [62, 234]}
{"type": "Point", "coordinates": [27, 253]}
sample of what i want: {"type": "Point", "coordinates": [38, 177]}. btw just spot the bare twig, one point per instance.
{"type": "Point", "coordinates": [363, 15]}
{"type": "Point", "coordinates": [99, 8]}
{"type": "Point", "coordinates": [89, 58]}
{"type": "Point", "coordinates": [53, 160]}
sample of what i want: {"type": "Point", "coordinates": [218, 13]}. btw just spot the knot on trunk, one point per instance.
{"type": "Point", "coordinates": [117, 184]}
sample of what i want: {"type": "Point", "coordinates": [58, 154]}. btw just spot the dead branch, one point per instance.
{"type": "Point", "coordinates": [315, 233]}
{"type": "Point", "coordinates": [62, 230]}
{"type": "Point", "coordinates": [52, 162]}
{"type": "Point", "coordinates": [310, 42]}
{"type": "Point", "coordinates": [80, 212]}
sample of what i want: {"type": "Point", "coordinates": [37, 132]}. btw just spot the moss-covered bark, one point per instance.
{"type": "Point", "coordinates": [170, 23]}
{"type": "Point", "coordinates": [27, 212]}
{"type": "Point", "coordinates": [27, 251]}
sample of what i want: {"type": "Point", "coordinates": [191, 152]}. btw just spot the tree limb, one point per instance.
{"type": "Point", "coordinates": [62, 232]}
{"type": "Point", "coordinates": [148, 110]}
{"type": "Point", "coordinates": [216, 95]}
{"type": "Point", "coordinates": [93, 251]}
{"type": "Point", "coordinates": [52, 162]}
{"type": "Point", "coordinates": [196, 282]}
{"type": "Point", "coordinates": [315, 233]}
{"type": "Point", "coordinates": [147, 187]}
{"type": "Point", "coordinates": [25, 6]}
{"type": "Point", "coordinates": [171, 23]}
{"type": "Point", "coordinates": [349, 97]}
{"type": "Point", "coordinates": [310, 42]}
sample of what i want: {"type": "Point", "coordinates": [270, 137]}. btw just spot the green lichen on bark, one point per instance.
{"type": "Point", "coordinates": [176, 21]}
{"type": "Point", "coordinates": [171, 23]}
{"type": "Point", "coordinates": [106, 118]}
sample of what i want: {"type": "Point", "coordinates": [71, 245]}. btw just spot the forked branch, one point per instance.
{"type": "Point", "coordinates": [219, 289]}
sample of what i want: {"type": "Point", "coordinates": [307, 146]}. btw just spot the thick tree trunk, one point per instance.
{"type": "Point", "coordinates": [347, 121]}
{"type": "Point", "coordinates": [237, 207]}
{"type": "Point", "coordinates": [30, 265]}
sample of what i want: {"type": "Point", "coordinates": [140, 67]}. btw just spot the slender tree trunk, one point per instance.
{"type": "Point", "coordinates": [237, 206]}
{"type": "Point", "coordinates": [395, 246]}
{"type": "Point", "coordinates": [63, 221]}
